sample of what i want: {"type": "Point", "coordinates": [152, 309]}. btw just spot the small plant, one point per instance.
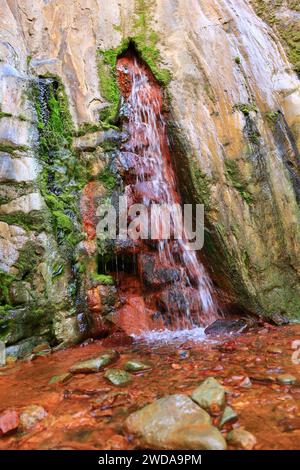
{"type": "Point", "coordinates": [272, 117]}
{"type": "Point", "coordinates": [237, 60]}
{"type": "Point", "coordinates": [245, 108]}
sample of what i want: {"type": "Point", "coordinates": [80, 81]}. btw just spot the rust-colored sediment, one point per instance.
{"type": "Point", "coordinates": [89, 413]}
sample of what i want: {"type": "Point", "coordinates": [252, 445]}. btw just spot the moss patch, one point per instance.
{"type": "Point", "coordinates": [245, 108]}
{"type": "Point", "coordinates": [145, 41]}
{"type": "Point", "coordinates": [287, 30]}
{"type": "Point", "coordinates": [63, 174]}
{"type": "Point", "coordinates": [236, 179]}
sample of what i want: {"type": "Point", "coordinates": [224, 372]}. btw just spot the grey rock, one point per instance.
{"type": "Point", "coordinates": [136, 366]}
{"type": "Point", "coordinates": [228, 415]}
{"type": "Point", "coordinates": [95, 364]}
{"type": "Point", "coordinates": [175, 422]}
{"type": "Point", "coordinates": [118, 376]}
{"type": "Point", "coordinates": [241, 438]}
{"type": "Point", "coordinates": [210, 394]}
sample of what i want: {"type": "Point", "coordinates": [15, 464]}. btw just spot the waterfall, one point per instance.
{"type": "Point", "coordinates": [174, 280]}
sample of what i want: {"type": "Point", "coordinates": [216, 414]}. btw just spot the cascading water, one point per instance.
{"type": "Point", "coordinates": [174, 282]}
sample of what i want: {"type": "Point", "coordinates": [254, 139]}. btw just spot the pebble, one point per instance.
{"type": "Point", "coordinates": [118, 376]}
{"type": "Point", "coordinates": [286, 379]}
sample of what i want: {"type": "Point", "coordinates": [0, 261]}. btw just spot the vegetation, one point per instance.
{"type": "Point", "coordinates": [145, 41]}
{"type": "Point", "coordinates": [237, 180]}
{"type": "Point", "coordinates": [287, 30]}
{"type": "Point", "coordinates": [245, 108]}
{"type": "Point", "coordinates": [63, 174]}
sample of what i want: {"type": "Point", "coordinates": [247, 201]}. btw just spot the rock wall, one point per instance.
{"type": "Point", "coordinates": [234, 127]}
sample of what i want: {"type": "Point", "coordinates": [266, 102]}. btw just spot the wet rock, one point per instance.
{"type": "Point", "coordinates": [223, 327]}
{"type": "Point", "coordinates": [156, 276]}
{"type": "Point", "coordinates": [63, 378]}
{"type": "Point", "coordinates": [9, 421]}
{"type": "Point", "coordinates": [210, 395]}
{"type": "Point", "coordinates": [19, 293]}
{"type": "Point", "coordinates": [117, 376]}
{"type": "Point", "coordinates": [31, 415]}
{"type": "Point", "coordinates": [201, 438]}
{"type": "Point", "coordinates": [245, 383]}
{"type": "Point", "coordinates": [175, 422]}
{"type": "Point", "coordinates": [17, 170]}
{"type": "Point", "coordinates": [92, 140]}
{"type": "Point", "coordinates": [43, 347]}
{"type": "Point", "coordinates": [2, 354]}
{"type": "Point", "coordinates": [136, 366]}
{"type": "Point", "coordinates": [65, 327]}
{"type": "Point", "coordinates": [241, 438]}
{"type": "Point", "coordinates": [279, 319]}
{"type": "Point", "coordinates": [23, 348]}
{"type": "Point", "coordinates": [286, 379]}
{"type": "Point", "coordinates": [228, 415]}
{"type": "Point", "coordinates": [274, 349]}
{"type": "Point", "coordinates": [95, 364]}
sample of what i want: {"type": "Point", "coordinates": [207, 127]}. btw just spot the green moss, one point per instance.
{"type": "Point", "coordinates": [235, 178]}
{"type": "Point", "coordinates": [237, 60]}
{"type": "Point", "coordinates": [102, 279]}
{"type": "Point", "coordinates": [254, 137]}
{"type": "Point", "coordinates": [5, 282]}
{"type": "Point", "coordinates": [3, 114]}
{"type": "Point", "coordinates": [107, 61]}
{"type": "Point", "coordinates": [245, 108]}
{"type": "Point", "coordinates": [107, 178]}
{"type": "Point", "coordinates": [272, 117]}
{"type": "Point", "coordinates": [145, 40]}
{"type": "Point", "coordinates": [63, 173]}
{"type": "Point", "coordinates": [86, 128]}
{"type": "Point", "coordinates": [34, 221]}
{"type": "Point", "coordinates": [201, 184]}
{"type": "Point", "coordinates": [12, 148]}
{"type": "Point", "coordinates": [287, 30]}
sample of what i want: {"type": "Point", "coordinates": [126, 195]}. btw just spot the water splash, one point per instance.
{"type": "Point", "coordinates": [185, 295]}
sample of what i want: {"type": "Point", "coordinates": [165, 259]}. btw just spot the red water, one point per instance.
{"type": "Point", "coordinates": [172, 288]}
{"type": "Point", "coordinates": [88, 412]}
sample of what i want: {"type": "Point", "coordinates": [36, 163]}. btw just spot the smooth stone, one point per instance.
{"type": "Point", "coordinates": [286, 379]}
{"type": "Point", "coordinates": [63, 378]}
{"type": "Point", "coordinates": [117, 376]}
{"type": "Point", "coordinates": [95, 364]}
{"type": "Point", "coordinates": [9, 421]}
{"type": "Point", "coordinates": [209, 394]}
{"type": "Point", "coordinates": [274, 350]}
{"type": "Point", "coordinates": [228, 415]}
{"type": "Point", "coordinates": [2, 354]}
{"type": "Point", "coordinates": [136, 366]}
{"type": "Point", "coordinates": [175, 422]}
{"type": "Point", "coordinates": [224, 327]}
{"type": "Point", "coordinates": [32, 415]}
{"type": "Point", "coordinates": [241, 438]}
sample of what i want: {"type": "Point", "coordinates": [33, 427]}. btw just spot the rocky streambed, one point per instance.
{"type": "Point", "coordinates": [234, 392]}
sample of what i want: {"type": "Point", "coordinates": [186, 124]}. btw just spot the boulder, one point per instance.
{"type": "Point", "coordinates": [210, 395]}
{"type": "Point", "coordinates": [175, 422]}
{"type": "Point", "coordinates": [226, 327]}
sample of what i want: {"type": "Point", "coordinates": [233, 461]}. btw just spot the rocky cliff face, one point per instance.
{"type": "Point", "coordinates": [234, 127]}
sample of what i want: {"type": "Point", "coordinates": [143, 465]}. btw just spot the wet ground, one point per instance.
{"type": "Point", "coordinates": [88, 412]}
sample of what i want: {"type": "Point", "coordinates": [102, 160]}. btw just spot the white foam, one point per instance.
{"type": "Point", "coordinates": [159, 337]}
